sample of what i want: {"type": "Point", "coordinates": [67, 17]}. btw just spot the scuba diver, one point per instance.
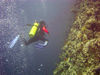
{"type": "Point", "coordinates": [37, 33]}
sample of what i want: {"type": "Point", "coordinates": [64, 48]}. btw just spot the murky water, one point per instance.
{"type": "Point", "coordinates": [28, 60]}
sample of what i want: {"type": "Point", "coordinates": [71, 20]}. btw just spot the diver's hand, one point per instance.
{"type": "Point", "coordinates": [48, 34]}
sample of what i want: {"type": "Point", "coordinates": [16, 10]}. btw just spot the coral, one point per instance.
{"type": "Point", "coordinates": [81, 51]}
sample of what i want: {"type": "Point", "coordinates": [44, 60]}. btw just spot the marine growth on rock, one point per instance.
{"type": "Point", "coordinates": [81, 52]}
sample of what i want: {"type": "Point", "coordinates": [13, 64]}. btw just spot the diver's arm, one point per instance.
{"type": "Point", "coordinates": [29, 24]}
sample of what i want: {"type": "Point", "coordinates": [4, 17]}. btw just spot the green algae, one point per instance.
{"type": "Point", "coordinates": [81, 52]}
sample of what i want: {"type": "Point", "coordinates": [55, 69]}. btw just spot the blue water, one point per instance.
{"type": "Point", "coordinates": [28, 60]}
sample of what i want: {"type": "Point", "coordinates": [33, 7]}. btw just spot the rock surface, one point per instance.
{"type": "Point", "coordinates": [81, 52]}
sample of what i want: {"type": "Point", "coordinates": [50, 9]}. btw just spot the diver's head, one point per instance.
{"type": "Point", "coordinates": [42, 23]}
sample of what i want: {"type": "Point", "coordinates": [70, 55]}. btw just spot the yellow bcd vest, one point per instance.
{"type": "Point", "coordinates": [33, 30]}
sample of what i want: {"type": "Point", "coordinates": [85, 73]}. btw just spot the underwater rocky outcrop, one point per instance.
{"type": "Point", "coordinates": [81, 52]}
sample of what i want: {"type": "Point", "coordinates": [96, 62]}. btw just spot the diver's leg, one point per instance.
{"type": "Point", "coordinates": [43, 39]}
{"type": "Point", "coordinates": [45, 43]}
{"type": "Point", "coordinates": [31, 40]}
{"type": "Point", "coordinates": [23, 39]}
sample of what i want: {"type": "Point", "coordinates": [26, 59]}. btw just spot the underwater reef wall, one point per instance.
{"type": "Point", "coordinates": [81, 52]}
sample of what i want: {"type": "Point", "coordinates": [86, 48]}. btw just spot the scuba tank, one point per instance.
{"type": "Point", "coordinates": [33, 30]}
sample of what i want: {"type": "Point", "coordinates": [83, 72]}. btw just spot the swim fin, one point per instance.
{"type": "Point", "coordinates": [14, 41]}
{"type": "Point", "coordinates": [41, 45]}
